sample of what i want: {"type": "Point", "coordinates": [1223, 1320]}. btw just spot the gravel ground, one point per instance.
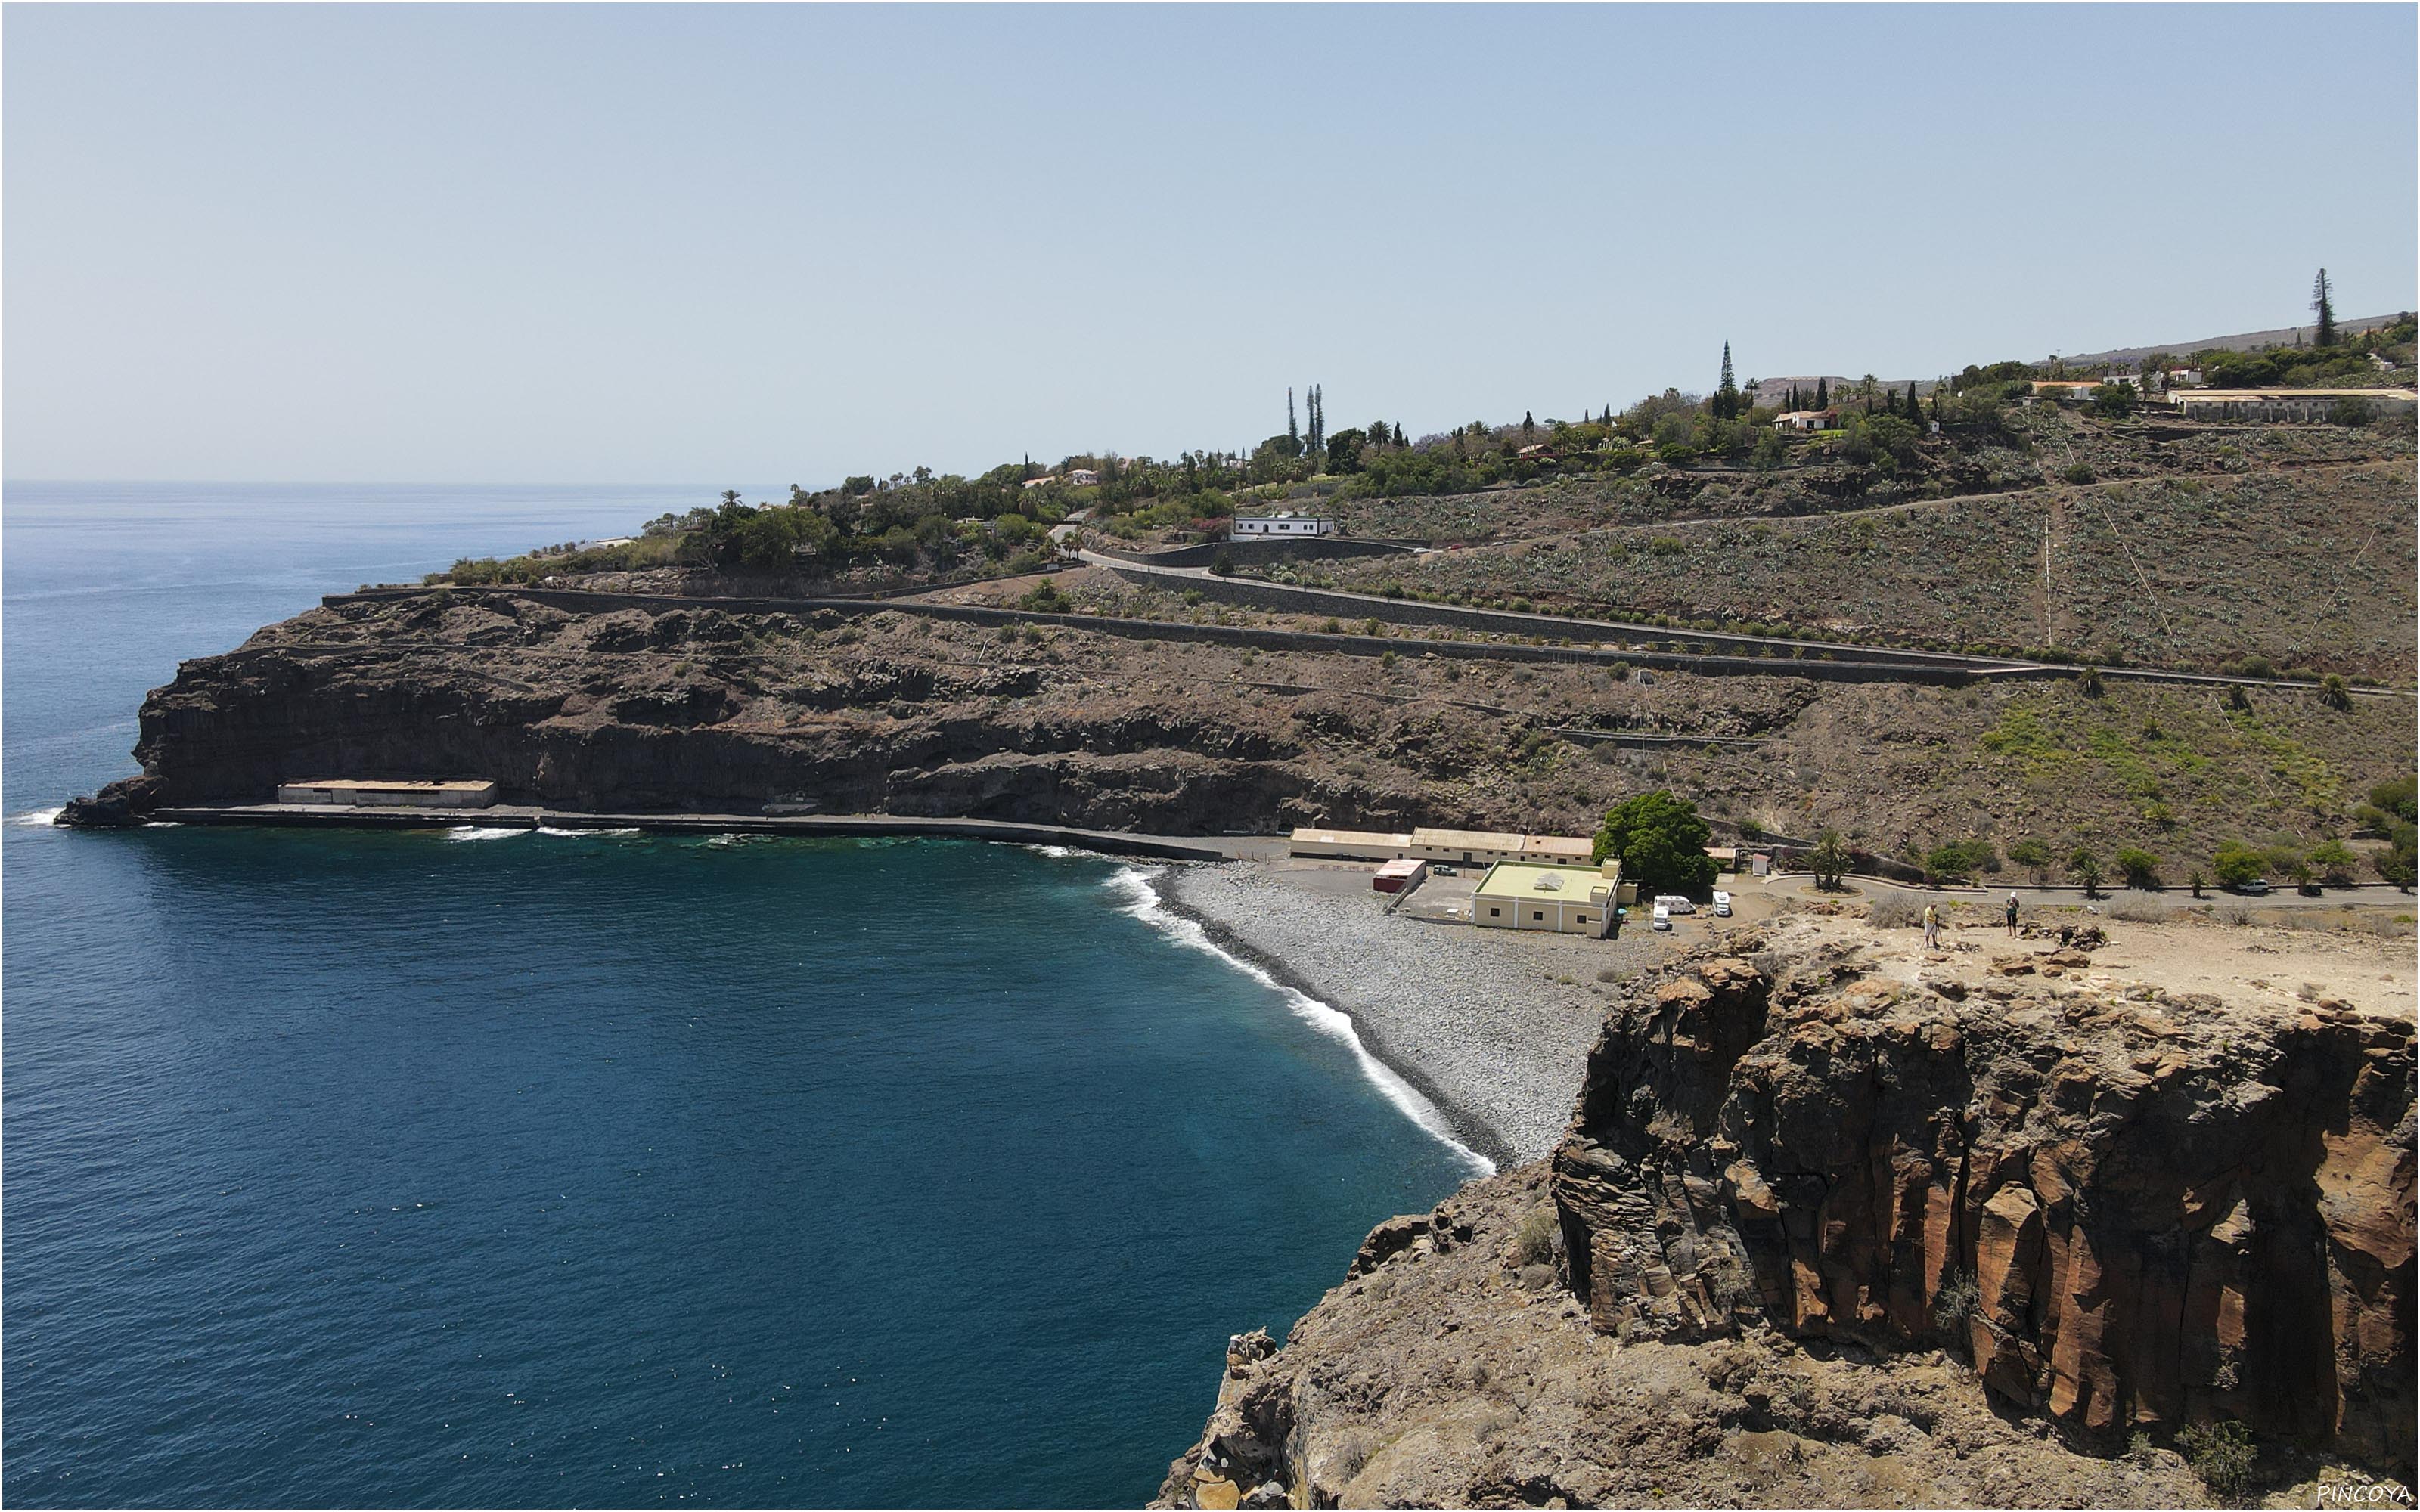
{"type": "Point", "coordinates": [1475, 1019]}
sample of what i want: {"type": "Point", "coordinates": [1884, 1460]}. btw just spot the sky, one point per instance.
{"type": "Point", "coordinates": [672, 244]}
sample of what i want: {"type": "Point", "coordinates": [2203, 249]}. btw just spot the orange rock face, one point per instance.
{"type": "Point", "coordinates": [2127, 1214]}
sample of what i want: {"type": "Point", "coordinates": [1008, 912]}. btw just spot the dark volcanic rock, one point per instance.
{"type": "Point", "coordinates": [1828, 1237]}
{"type": "Point", "coordinates": [2132, 1215]}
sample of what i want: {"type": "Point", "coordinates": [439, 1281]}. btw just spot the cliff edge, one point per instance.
{"type": "Point", "coordinates": [1842, 1222]}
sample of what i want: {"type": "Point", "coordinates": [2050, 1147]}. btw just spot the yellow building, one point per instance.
{"type": "Point", "coordinates": [1568, 900]}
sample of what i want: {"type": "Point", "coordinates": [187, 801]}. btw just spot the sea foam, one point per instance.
{"type": "Point", "coordinates": [1142, 901]}
{"type": "Point", "coordinates": [484, 832]}
{"type": "Point", "coordinates": [38, 816]}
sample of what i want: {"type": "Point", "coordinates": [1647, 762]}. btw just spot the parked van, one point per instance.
{"type": "Point", "coordinates": [1663, 914]}
{"type": "Point", "coordinates": [1722, 903]}
{"type": "Point", "coordinates": [1675, 902]}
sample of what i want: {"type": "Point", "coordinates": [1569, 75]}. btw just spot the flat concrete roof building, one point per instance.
{"type": "Point", "coordinates": [1347, 844]}
{"type": "Point", "coordinates": [2289, 404]}
{"type": "Point", "coordinates": [1558, 849]}
{"type": "Point", "coordinates": [358, 794]}
{"type": "Point", "coordinates": [1566, 900]}
{"type": "Point", "coordinates": [1465, 846]}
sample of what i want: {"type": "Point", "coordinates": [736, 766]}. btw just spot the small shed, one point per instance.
{"type": "Point", "coordinates": [1399, 875]}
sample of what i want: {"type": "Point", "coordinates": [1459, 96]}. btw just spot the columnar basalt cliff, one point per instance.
{"type": "Point", "coordinates": [1828, 1227]}
{"type": "Point", "coordinates": [2132, 1213]}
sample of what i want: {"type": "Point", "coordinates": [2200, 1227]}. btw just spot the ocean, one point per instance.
{"type": "Point", "coordinates": [470, 1166]}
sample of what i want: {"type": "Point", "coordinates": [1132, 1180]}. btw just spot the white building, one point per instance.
{"type": "Point", "coordinates": [1082, 477]}
{"type": "Point", "coordinates": [1284, 522]}
{"type": "Point", "coordinates": [1805, 420]}
{"type": "Point", "coordinates": [2290, 403]}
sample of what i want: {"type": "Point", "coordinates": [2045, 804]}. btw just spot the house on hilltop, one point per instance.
{"type": "Point", "coordinates": [1284, 522]}
{"type": "Point", "coordinates": [1804, 421]}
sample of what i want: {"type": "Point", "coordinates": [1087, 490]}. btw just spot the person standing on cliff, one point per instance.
{"type": "Point", "coordinates": [2013, 915]}
{"type": "Point", "coordinates": [1931, 927]}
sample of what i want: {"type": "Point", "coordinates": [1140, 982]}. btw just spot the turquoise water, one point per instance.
{"type": "Point", "coordinates": [458, 1168]}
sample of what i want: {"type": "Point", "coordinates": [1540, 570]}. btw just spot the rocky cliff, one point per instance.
{"type": "Point", "coordinates": [657, 707]}
{"type": "Point", "coordinates": [1839, 1225]}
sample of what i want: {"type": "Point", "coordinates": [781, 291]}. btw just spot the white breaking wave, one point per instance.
{"type": "Point", "coordinates": [38, 816]}
{"type": "Point", "coordinates": [1066, 853]}
{"type": "Point", "coordinates": [1142, 903]}
{"type": "Point", "coordinates": [552, 829]}
{"type": "Point", "coordinates": [484, 832]}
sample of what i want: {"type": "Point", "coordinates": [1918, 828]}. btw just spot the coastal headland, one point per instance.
{"type": "Point", "coordinates": [1788, 1207]}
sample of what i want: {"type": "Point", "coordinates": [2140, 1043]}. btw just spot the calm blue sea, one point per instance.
{"type": "Point", "coordinates": [457, 1168]}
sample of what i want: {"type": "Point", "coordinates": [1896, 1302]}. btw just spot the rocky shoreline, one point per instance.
{"type": "Point", "coordinates": [1839, 1221]}
{"type": "Point", "coordinates": [1477, 1020]}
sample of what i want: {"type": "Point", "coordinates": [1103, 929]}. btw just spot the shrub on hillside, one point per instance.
{"type": "Point", "coordinates": [2236, 863]}
{"type": "Point", "coordinates": [1960, 860]}
{"type": "Point", "coordinates": [2221, 1454]}
{"type": "Point", "coordinates": [2140, 867]}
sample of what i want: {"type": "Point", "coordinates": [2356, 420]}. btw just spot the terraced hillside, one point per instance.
{"type": "Point", "coordinates": [2152, 543]}
{"type": "Point", "coordinates": [2310, 566]}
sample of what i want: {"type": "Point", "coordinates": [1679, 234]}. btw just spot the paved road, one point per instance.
{"type": "Point", "coordinates": [1375, 606]}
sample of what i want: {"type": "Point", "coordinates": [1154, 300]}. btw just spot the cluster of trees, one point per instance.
{"type": "Point", "coordinates": [1661, 843]}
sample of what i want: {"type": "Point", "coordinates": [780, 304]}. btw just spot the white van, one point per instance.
{"type": "Point", "coordinates": [1722, 903]}
{"type": "Point", "coordinates": [1675, 902]}
{"type": "Point", "coordinates": [1663, 914]}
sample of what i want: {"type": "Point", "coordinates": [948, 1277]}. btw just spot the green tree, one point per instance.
{"type": "Point", "coordinates": [2397, 863]}
{"type": "Point", "coordinates": [2324, 306]}
{"type": "Point", "coordinates": [1726, 404]}
{"type": "Point", "coordinates": [1959, 860]}
{"type": "Point", "coordinates": [1344, 451]}
{"type": "Point", "coordinates": [2334, 862]}
{"type": "Point", "coordinates": [2236, 863]}
{"type": "Point", "coordinates": [2334, 693]}
{"type": "Point", "coordinates": [1830, 861]}
{"type": "Point", "coordinates": [2085, 866]}
{"type": "Point", "coordinates": [2114, 401]}
{"type": "Point", "coordinates": [2033, 855]}
{"type": "Point", "coordinates": [1294, 429]}
{"type": "Point", "coordinates": [1661, 843]}
{"type": "Point", "coordinates": [2140, 867]}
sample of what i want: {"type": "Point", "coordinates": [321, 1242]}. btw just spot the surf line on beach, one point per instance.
{"type": "Point", "coordinates": [1133, 886]}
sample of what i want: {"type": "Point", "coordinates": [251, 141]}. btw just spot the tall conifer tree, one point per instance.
{"type": "Point", "coordinates": [2326, 308]}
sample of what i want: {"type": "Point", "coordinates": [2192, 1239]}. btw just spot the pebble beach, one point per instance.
{"type": "Point", "coordinates": [1481, 1021]}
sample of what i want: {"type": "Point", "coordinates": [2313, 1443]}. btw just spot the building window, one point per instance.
{"type": "Point", "coordinates": [1535, 916]}
{"type": "Point", "coordinates": [1495, 912]}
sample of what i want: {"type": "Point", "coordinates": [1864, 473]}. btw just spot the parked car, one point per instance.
{"type": "Point", "coordinates": [1675, 902]}
{"type": "Point", "coordinates": [1439, 868]}
{"type": "Point", "coordinates": [1722, 903]}
{"type": "Point", "coordinates": [1662, 916]}
{"type": "Point", "coordinates": [2257, 888]}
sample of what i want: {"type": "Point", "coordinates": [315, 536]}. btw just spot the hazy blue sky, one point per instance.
{"type": "Point", "coordinates": [625, 243]}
